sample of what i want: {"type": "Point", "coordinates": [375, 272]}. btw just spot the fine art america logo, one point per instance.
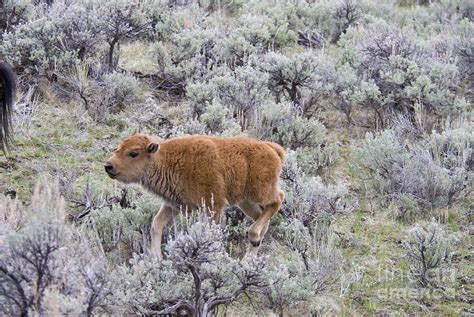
{"type": "Point", "coordinates": [402, 284]}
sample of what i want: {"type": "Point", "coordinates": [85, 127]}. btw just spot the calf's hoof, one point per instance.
{"type": "Point", "coordinates": [255, 244]}
{"type": "Point", "coordinates": [254, 239]}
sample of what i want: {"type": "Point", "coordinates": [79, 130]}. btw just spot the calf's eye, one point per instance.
{"type": "Point", "coordinates": [133, 154]}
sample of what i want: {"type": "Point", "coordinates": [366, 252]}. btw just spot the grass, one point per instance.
{"type": "Point", "coordinates": [138, 57]}
{"type": "Point", "coordinates": [386, 286]}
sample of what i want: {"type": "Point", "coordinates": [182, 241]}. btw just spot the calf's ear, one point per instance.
{"type": "Point", "coordinates": [152, 148]}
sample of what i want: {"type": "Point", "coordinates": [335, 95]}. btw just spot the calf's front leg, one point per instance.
{"type": "Point", "coordinates": [159, 222]}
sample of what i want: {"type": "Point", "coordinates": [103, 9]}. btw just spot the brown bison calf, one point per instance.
{"type": "Point", "coordinates": [188, 172]}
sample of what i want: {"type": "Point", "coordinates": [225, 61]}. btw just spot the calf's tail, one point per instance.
{"type": "Point", "coordinates": [7, 94]}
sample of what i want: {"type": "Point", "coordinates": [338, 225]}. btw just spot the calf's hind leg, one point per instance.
{"type": "Point", "coordinates": [159, 222]}
{"type": "Point", "coordinates": [250, 209]}
{"type": "Point", "coordinates": [260, 226]}
{"type": "Point", "coordinates": [253, 211]}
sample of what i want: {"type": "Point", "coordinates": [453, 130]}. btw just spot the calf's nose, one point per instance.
{"type": "Point", "coordinates": [108, 167]}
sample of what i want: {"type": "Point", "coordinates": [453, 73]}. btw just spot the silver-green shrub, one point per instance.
{"type": "Point", "coordinates": [218, 120]}
{"type": "Point", "coordinates": [429, 252]}
{"type": "Point", "coordinates": [121, 20]}
{"type": "Point", "coordinates": [13, 13]}
{"type": "Point", "coordinates": [197, 276]}
{"type": "Point", "coordinates": [464, 49]}
{"type": "Point", "coordinates": [311, 201]}
{"type": "Point", "coordinates": [243, 90]}
{"type": "Point", "coordinates": [55, 37]}
{"type": "Point", "coordinates": [284, 124]}
{"type": "Point", "coordinates": [46, 266]}
{"type": "Point", "coordinates": [346, 14]}
{"type": "Point", "coordinates": [297, 16]}
{"type": "Point", "coordinates": [123, 231]}
{"type": "Point", "coordinates": [453, 147]}
{"type": "Point", "coordinates": [182, 58]}
{"type": "Point", "coordinates": [103, 94]}
{"type": "Point", "coordinates": [411, 80]}
{"type": "Point", "coordinates": [170, 21]}
{"type": "Point", "coordinates": [121, 90]}
{"type": "Point", "coordinates": [417, 175]}
{"type": "Point", "coordinates": [58, 35]}
{"type": "Point", "coordinates": [313, 267]}
{"type": "Point", "coordinates": [290, 77]}
{"type": "Point", "coordinates": [249, 35]}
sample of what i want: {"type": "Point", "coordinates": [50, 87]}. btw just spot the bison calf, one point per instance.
{"type": "Point", "coordinates": [217, 171]}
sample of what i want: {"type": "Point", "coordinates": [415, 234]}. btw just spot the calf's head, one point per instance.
{"type": "Point", "coordinates": [131, 159]}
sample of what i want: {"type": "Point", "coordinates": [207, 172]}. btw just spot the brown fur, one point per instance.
{"type": "Point", "coordinates": [188, 172]}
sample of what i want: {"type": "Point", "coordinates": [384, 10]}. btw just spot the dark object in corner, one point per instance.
{"type": "Point", "coordinates": [7, 94]}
